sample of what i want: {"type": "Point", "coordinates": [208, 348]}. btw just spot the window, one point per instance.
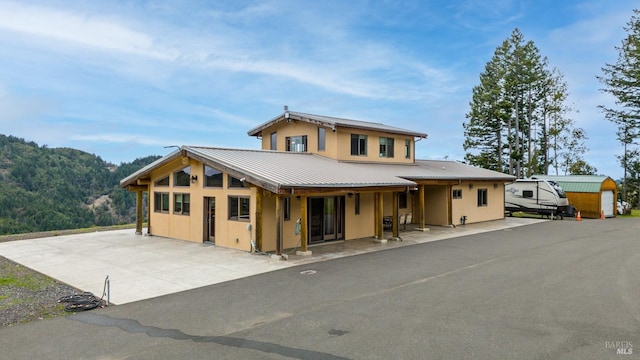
{"type": "Point", "coordinates": [162, 182]}
{"type": "Point", "coordinates": [386, 147]}
{"type": "Point", "coordinates": [239, 208]}
{"type": "Point", "coordinates": [297, 143]}
{"type": "Point", "coordinates": [482, 197]}
{"type": "Point", "coordinates": [286, 207]}
{"type": "Point", "coordinates": [402, 200]}
{"type": "Point", "coordinates": [407, 149]}
{"type": "Point", "coordinates": [235, 182]}
{"type": "Point", "coordinates": [322, 136]}
{"type": "Point", "coordinates": [527, 193]}
{"type": "Point", "coordinates": [457, 193]}
{"type": "Point", "coordinates": [274, 141]}
{"type": "Point", "coordinates": [182, 177]}
{"type": "Point", "coordinates": [161, 202]}
{"type": "Point", "coordinates": [356, 198]}
{"type": "Point", "coordinates": [358, 145]}
{"type": "Point", "coordinates": [212, 177]}
{"type": "Point", "coordinates": [181, 203]}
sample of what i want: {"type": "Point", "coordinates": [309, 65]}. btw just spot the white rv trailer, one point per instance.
{"type": "Point", "coordinates": [536, 196]}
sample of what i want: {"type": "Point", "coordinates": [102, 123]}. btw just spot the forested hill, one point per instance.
{"type": "Point", "coordinates": [45, 188]}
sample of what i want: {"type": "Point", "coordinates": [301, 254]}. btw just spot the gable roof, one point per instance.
{"type": "Point", "coordinates": [286, 172]}
{"type": "Point", "coordinates": [333, 123]}
{"type": "Point", "coordinates": [576, 183]}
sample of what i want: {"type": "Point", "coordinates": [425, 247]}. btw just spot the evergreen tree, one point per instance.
{"type": "Point", "coordinates": [622, 80]}
{"type": "Point", "coordinates": [517, 112]}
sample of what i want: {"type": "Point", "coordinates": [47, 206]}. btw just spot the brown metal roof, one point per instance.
{"type": "Point", "coordinates": [277, 171]}
{"type": "Point", "coordinates": [333, 122]}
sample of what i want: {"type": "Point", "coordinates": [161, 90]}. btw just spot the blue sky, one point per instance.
{"type": "Point", "coordinates": [123, 79]}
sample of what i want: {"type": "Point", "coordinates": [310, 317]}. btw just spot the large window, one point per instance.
{"type": "Point", "coordinates": [235, 182]}
{"type": "Point", "coordinates": [297, 143]}
{"type": "Point", "coordinates": [482, 197]}
{"type": "Point", "coordinates": [386, 147]}
{"type": "Point", "coordinates": [181, 203]}
{"type": "Point", "coordinates": [239, 208]}
{"type": "Point", "coordinates": [322, 136]}
{"type": "Point", "coordinates": [274, 141]}
{"type": "Point", "coordinates": [161, 202]}
{"type": "Point", "coordinates": [182, 177]}
{"type": "Point", "coordinates": [358, 145]}
{"type": "Point", "coordinates": [212, 177]}
{"type": "Point", "coordinates": [162, 182]}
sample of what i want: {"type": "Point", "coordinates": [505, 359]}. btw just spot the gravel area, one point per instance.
{"type": "Point", "coordinates": [27, 295]}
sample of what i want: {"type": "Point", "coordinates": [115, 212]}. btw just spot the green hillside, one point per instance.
{"type": "Point", "coordinates": [45, 188]}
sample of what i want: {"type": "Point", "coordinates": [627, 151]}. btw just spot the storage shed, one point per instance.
{"type": "Point", "coordinates": [592, 195]}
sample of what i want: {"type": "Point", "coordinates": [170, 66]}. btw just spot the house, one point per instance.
{"type": "Point", "coordinates": [592, 195]}
{"type": "Point", "coordinates": [316, 179]}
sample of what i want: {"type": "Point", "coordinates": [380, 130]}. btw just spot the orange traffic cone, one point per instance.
{"type": "Point", "coordinates": [578, 217]}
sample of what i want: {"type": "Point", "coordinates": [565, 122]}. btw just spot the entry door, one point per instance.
{"type": "Point", "coordinates": [326, 218]}
{"type": "Point", "coordinates": [210, 219]}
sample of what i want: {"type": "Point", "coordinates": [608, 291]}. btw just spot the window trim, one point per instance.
{"type": "Point", "coordinates": [186, 170]}
{"type": "Point", "coordinates": [238, 208]}
{"type": "Point", "coordinates": [207, 177]}
{"type": "Point", "coordinates": [273, 139]}
{"type": "Point", "coordinates": [456, 194]}
{"type": "Point", "coordinates": [359, 144]}
{"type": "Point", "coordinates": [388, 145]}
{"type": "Point", "coordinates": [322, 139]}
{"type": "Point", "coordinates": [234, 182]}
{"type": "Point", "coordinates": [303, 140]}
{"type": "Point", "coordinates": [407, 149]}
{"type": "Point", "coordinates": [483, 194]}
{"type": "Point", "coordinates": [180, 209]}
{"type": "Point", "coordinates": [157, 182]}
{"type": "Point", "coordinates": [158, 205]}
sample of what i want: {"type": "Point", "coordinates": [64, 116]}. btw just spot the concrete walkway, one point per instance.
{"type": "Point", "coordinates": [143, 267]}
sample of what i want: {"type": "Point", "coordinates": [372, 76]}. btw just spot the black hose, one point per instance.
{"type": "Point", "coordinates": [81, 302]}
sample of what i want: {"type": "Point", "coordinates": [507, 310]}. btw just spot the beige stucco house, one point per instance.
{"type": "Point", "coordinates": [316, 179]}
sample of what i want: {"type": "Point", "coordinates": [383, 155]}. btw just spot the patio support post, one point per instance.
{"type": "Point", "coordinates": [258, 230]}
{"type": "Point", "coordinates": [421, 207]}
{"type": "Point", "coordinates": [379, 208]}
{"type": "Point", "coordinates": [278, 226]}
{"type": "Point", "coordinates": [138, 212]}
{"type": "Point", "coordinates": [394, 226]}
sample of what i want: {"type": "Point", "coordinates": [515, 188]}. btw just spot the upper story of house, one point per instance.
{"type": "Point", "coordinates": [339, 139]}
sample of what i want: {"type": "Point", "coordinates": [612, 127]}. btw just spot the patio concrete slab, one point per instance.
{"type": "Point", "coordinates": [143, 267]}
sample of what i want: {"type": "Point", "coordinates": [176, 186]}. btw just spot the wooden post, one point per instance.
{"type": "Point", "coordinates": [303, 223]}
{"type": "Point", "coordinates": [421, 207]}
{"type": "Point", "coordinates": [148, 213]}
{"type": "Point", "coordinates": [278, 226]}
{"type": "Point", "coordinates": [138, 212]}
{"type": "Point", "coordinates": [258, 235]}
{"type": "Point", "coordinates": [394, 226]}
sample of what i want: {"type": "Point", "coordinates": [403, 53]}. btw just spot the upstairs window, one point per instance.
{"type": "Point", "coordinates": [212, 177]}
{"type": "Point", "coordinates": [322, 136]}
{"type": "Point", "coordinates": [274, 141]}
{"type": "Point", "coordinates": [407, 149]}
{"type": "Point", "coordinates": [162, 182]}
{"type": "Point", "coordinates": [182, 177]}
{"type": "Point", "coordinates": [358, 145]}
{"type": "Point", "coordinates": [386, 147]}
{"type": "Point", "coordinates": [296, 143]}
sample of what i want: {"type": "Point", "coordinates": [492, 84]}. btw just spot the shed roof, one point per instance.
{"type": "Point", "coordinates": [277, 171]}
{"type": "Point", "coordinates": [333, 122]}
{"type": "Point", "coordinates": [576, 183]}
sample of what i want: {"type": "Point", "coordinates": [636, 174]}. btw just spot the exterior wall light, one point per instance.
{"type": "Point", "coordinates": [194, 179]}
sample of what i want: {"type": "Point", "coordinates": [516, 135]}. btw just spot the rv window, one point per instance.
{"type": "Point", "coordinates": [527, 193]}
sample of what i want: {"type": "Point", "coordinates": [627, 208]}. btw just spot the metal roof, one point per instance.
{"type": "Point", "coordinates": [276, 170]}
{"type": "Point", "coordinates": [576, 183]}
{"type": "Point", "coordinates": [333, 122]}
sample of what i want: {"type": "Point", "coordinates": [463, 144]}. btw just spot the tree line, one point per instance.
{"type": "Point", "coordinates": [519, 119]}
{"type": "Point", "coordinates": [44, 189]}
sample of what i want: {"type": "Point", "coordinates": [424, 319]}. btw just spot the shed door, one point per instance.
{"type": "Point", "coordinates": [607, 203]}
